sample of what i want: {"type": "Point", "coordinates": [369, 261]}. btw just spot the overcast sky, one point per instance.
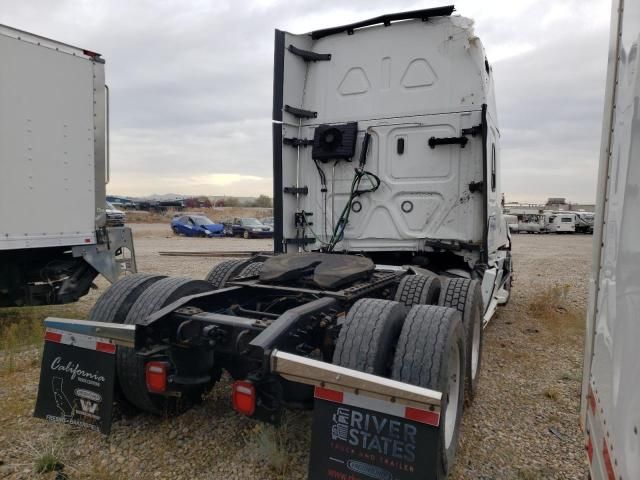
{"type": "Point", "coordinates": [191, 85]}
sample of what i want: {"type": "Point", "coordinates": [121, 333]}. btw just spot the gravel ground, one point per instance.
{"type": "Point", "coordinates": [523, 424]}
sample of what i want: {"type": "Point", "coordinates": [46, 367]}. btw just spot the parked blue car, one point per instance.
{"type": "Point", "coordinates": [196, 226]}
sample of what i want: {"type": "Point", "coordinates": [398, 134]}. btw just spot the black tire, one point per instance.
{"type": "Point", "coordinates": [430, 338]}
{"type": "Point", "coordinates": [113, 307]}
{"type": "Point", "coordinates": [465, 296]}
{"type": "Point", "coordinates": [418, 290]}
{"type": "Point", "coordinates": [368, 335]}
{"type": "Point", "coordinates": [223, 271]}
{"type": "Point", "coordinates": [114, 304]}
{"type": "Point", "coordinates": [175, 231]}
{"type": "Point", "coordinates": [251, 270]}
{"type": "Point", "coordinates": [131, 368]}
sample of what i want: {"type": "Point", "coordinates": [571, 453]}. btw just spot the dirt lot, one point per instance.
{"type": "Point", "coordinates": [523, 424]}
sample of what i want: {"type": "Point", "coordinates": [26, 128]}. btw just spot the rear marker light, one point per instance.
{"type": "Point", "coordinates": [156, 376]}
{"type": "Point", "coordinates": [243, 397]}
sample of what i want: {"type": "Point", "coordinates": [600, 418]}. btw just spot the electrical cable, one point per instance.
{"type": "Point", "coordinates": [360, 173]}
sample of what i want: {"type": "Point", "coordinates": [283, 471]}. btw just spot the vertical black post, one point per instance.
{"type": "Point", "coordinates": [278, 83]}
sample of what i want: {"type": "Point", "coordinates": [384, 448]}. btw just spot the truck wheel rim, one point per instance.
{"type": "Point", "coordinates": [475, 350]}
{"type": "Point", "coordinates": [451, 415]}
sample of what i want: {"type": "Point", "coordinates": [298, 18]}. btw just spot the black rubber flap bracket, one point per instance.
{"type": "Point", "coordinates": [309, 56]}
{"type": "Point", "coordinates": [299, 112]}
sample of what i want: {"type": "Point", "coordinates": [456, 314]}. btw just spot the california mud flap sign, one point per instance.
{"type": "Point", "coordinates": [76, 380]}
{"type": "Point", "coordinates": [360, 438]}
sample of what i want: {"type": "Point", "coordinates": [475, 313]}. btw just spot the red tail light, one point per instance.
{"type": "Point", "coordinates": [156, 376]}
{"type": "Point", "coordinates": [243, 397]}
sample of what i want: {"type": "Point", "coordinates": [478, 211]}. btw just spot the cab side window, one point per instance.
{"type": "Point", "coordinates": [493, 167]}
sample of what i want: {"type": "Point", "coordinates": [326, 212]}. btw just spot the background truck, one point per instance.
{"type": "Point", "coordinates": [391, 254]}
{"type": "Point", "coordinates": [610, 413]}
{"type": "Point", "coordinates": [54, 152]}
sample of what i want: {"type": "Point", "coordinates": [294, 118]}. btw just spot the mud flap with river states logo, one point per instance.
{"type": "Point", "coordinates": [360, 438]}
{"type": "Point", "coordinates": [77, 380]}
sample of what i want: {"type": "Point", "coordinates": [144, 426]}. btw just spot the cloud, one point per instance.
{"type": "Point", "coordinates": [191, 84]}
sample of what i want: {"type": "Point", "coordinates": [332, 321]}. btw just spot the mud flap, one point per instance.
{"type": "Point", "coordinates": [356, 437]}
{"type": "Point", "coordinates": [77, 380]}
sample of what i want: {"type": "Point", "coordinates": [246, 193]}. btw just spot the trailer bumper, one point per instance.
{"type": "Point", "coordinates": [333, 377]}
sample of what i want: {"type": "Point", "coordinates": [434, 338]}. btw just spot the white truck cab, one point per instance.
{"type": "Point", "coordinates": [386, 143]}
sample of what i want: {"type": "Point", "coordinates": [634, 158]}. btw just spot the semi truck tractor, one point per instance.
{"type": "Point", "coordinates": [610, 409]}
{"type": "Point", "coordinates": [390, 256]}
{"type": "Point", "coordinates": [54, 148]}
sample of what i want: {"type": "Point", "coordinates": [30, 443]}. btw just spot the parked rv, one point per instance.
{"type": "Point", "coordinates": [562, 223]}
{"type": "Point", "coordinates": [584, 222]}
{"type": "Point", "coordinates": [531, 223]}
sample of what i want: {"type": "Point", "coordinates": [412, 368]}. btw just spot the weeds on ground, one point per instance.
{"type": "Point", "coordinates": [23, 328]}
{"type": "Point", "coordinates": [552, 308]}
{"type": "Point", "coordinates": [46, 458]}
{"type": "Point", "coordinates": [16, 334]}
{"type": "Point", "coordinates": [274, 445]}
{"type": "Point", "coordinates": [550, 301]}
{"type": "Point", "coordinates": [552, 393]}
{"type": "Point", "coordinates": [533, 473]}
{"type": "Point", "coordinates": [48, 462]}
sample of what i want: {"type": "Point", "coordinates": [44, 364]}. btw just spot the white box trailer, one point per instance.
{"type": "Point", "coordinates": [610, 410]}
{"type": "Point", "coordinates": [54, 154]}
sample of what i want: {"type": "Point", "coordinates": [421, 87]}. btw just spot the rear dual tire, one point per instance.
{"type": "Point", "coordinates": [224, 271]}
{"type": "Point", "coordinates": [427, 349]}
{"type": "Point", "coordinates": [431, 353]}
{"type": "Point", "coordinates": [465, 296]}
{"type": "Point", "coordinates": [368, 336]}
{"type": "Point", "coordinates": [130, 300]}
{"type": "Point", "coordinates": [130, 366]}
{"type": "Point", "coordinates": [418, 290]}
